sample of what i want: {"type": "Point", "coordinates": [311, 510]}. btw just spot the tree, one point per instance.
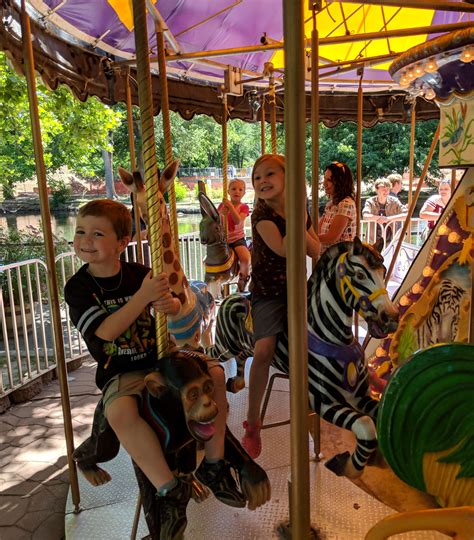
{"type": "Point", "coordinates": [385, 148]}
{"type": "Point", "coordinates": [73, 133]}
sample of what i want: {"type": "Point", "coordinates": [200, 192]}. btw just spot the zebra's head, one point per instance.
{"type": "Point", "coordinates": [360, 281]}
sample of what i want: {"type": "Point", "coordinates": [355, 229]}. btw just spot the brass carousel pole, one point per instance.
{"type": "Point", "coordinates": [360, 118]}
{"type": "Point", "coordinates": [262, 124]}
{"type": "Point", "coordinates": [411, 209]}
{"type": "Point", "coordinates": [224, 145]}
{"type": "Point", "coordinates": [293, 21]}
{"type": "Point", "coordinates": [411, 162]}
{"type": "Point", "coordinates": [133, 165]}
{"type": "Point", "coordinates": [315, 420]}
{"type": "Point", "coordinates": [225, 114]}
{"type": "Point", "coordinates": [165, 113]}
{"type": "Point", "coordinates": [49, 252]}
{"type": "Point", "coordinates": [149, 159]}
{"type": "Point", "coordinates": [273, 116]}
{"type": "Point", "coordinates": [453, 180]}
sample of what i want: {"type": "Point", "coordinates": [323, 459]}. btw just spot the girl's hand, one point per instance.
{"type": "Point", "coordinates": [224, 210]}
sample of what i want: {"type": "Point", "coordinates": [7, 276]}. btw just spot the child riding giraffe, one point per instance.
{"type": "Point", "coordinates": [192, 325]}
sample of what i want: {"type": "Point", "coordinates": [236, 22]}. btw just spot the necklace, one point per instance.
{"type": "Point", "coordinates": [103, 289]}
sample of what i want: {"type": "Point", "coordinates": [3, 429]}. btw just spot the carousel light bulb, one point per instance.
{"type": "Point", "coordinates": [404, 81]}
{"type": "Point", "coordinates": [411, 73]}
{"type": "Point", "coordinates": [467, 54]}
{"type": "Point", "coordinates": [419, 70]}
{"type": "Point", "coordinates": [430, 93]}
{"type": "Point", "coordinates": [431, 65]}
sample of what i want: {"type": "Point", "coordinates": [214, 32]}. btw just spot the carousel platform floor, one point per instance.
{"type": "Point", "coordinates": [340, 509]}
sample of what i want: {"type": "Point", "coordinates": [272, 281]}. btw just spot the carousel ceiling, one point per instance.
{"type": "Point", "coordinates": [89, 45]}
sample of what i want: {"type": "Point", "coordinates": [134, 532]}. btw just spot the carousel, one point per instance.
{"type": "Point", "coordinates": [388, 438]}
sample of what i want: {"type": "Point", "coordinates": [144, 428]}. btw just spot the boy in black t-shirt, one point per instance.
{"type": "Point", "coordinates": [109, 302]}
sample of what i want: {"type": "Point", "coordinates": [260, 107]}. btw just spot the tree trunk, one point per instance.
{"type": "Point", "coordinates": [109, 174]}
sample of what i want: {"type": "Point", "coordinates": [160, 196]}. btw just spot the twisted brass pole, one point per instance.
{"type": "Point", "coordinates": [411, 162]}
{"type": "Point", "coordinates": [224, 145]}
{"type": "Point", "coordinates": [360, 117]}
{"type": "Point", "coordinates": [273, 117]}
{"type": "Point", "coordinates": [224, 167]}
{"type": "Point", "coordinates": [262, 124]}
{"type": "Point", "coordinates": [411, 209]}
{"type": "Point", "coordinates": [165, 114]}
{"type": "Point", "coordinates": [149, 159]}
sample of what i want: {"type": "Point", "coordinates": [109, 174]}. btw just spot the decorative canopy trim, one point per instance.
{"type": "Point", "coordinates": [88, 74]}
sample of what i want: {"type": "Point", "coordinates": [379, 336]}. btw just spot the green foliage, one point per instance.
{"type": "Point", "coordinates": [385, 148]}
{"type": "Point", "coordinates": [73, 133]}
{"type": "Point", "coordinates": [181, 191]}
{"type": "Point", "coordinates": [60, 192]}
{"type": "Point", "coordinates": [214, 193]}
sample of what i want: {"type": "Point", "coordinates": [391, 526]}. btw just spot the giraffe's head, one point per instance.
{"type": "Point", "coordinates": [135, 184]}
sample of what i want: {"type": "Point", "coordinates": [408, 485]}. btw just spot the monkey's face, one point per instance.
{"type": "Point", "coordinates": [200, 409]}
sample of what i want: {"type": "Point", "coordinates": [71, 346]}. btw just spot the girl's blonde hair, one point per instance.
{"type": "Point", "coordinates": [234, 180]}
{"type": "Point", "coordinates": [269, 157]}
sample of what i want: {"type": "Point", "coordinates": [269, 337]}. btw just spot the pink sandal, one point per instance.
{"type": "Point", "coordinates": [251, 441]}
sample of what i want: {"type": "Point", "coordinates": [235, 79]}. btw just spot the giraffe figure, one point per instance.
{"type": "Point", "coordinates": [193, 323]}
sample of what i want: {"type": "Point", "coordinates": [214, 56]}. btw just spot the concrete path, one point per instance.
{"type": "Point", "coordinates": [34, 479]}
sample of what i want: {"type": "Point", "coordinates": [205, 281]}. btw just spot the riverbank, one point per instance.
{"type": "Point", "coordinates": [30, 204]}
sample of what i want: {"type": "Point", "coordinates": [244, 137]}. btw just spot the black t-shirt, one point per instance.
{"type": "Point", "coordinates": [268, 268]}
{"type": "Point", "coordinates": [91, 300]}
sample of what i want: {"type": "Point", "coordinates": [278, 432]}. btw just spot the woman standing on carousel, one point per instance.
{"type": "Point", "coordinates": [338, 223]}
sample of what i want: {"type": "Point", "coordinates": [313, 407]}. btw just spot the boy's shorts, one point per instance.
{"type": "Point", "coordinates": [269, 316]}
{"type": "Point", "coordinates": [133, 384]}
{"type": "Point", "coordinates": [124, 384]}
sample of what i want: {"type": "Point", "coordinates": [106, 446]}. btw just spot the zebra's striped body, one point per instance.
{"type": "Point", "coordinates": [348, 277]}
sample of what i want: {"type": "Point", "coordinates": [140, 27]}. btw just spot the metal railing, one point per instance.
{"type": "Point", "coordinates": [26, 333]}
{"type": "Point", "coordinates": [27, 348]}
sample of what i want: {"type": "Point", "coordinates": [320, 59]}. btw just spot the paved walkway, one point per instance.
{"type": "Point", "coordinates": [34, 479]}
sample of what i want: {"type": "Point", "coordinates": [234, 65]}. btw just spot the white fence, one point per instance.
{"type": "Point", "coordinates": [27, 347]}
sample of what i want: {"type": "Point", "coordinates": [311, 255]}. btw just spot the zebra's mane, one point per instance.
{"type": "Point", "coordinates": [373, 257]}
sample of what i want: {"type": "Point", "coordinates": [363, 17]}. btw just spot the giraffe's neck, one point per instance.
{"type": "Point", "coordinates": [171, 265]}
{"type": "Point", "coordinates": [185, 326]}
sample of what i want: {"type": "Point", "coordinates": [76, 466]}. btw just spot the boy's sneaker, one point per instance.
{"type": "Point", "coordinates": [251, 441]}
{"type": "Point", "coordinates": [172, 508]}
{"type": "Point", "coordinates": [218, 478]}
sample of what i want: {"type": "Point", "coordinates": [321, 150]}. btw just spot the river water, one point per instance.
{"type": "Point", "coordinates": [63, 226]}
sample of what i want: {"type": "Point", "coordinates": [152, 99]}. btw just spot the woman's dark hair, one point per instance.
{"type": "Point", "coordinates": [341, 177]}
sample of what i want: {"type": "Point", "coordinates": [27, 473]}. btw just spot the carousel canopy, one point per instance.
{"type": "Point", "coordinates": [89, 45]}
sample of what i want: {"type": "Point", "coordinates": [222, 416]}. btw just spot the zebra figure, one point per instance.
{"type": "Point", "coordinates": [441, 325]}
{"type": "Point", "coordinates": [348, 277]}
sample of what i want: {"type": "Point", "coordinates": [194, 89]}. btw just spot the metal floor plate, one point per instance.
{"type": "Point", "coordinates": [339, 509]}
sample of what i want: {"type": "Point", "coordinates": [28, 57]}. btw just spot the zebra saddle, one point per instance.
{"type": "Point", "coordinates": [349, 356]}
